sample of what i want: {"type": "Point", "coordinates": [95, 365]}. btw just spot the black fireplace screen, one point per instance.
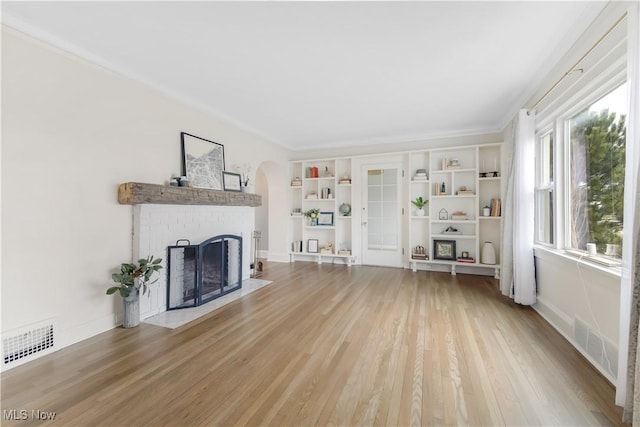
{"type": "Point", "coordinates": [197, 274]}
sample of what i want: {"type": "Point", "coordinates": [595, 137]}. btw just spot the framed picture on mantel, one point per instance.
{"type": "Point", "coordinates": [231, 181]}
{"type": "Point", "coordinates": [202, 161]}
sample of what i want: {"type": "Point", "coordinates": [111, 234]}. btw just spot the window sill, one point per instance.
{"type": "Point", "coordinates": [581, 260]}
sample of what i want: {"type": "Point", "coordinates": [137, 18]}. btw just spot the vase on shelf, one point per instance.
{"type": "Point", "coordinates": [420, 212]}
{"type": "Point", "coordinates": [488, 254]}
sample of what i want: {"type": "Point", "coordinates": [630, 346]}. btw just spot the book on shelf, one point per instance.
{"type": "Point", "coordinates": [468, 260]}
{"type": "Point", "coordinates": [496, 207]}
{"type": "Point", "coordinates": [296, 246]}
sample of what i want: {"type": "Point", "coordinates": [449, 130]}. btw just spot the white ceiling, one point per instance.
{"type": "Point", "coordinates": [310, 74]}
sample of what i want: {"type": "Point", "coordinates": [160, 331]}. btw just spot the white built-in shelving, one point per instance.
{"type": "Point", "coordinates": [472, 179]}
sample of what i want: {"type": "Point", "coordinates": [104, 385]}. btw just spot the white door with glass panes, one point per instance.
{"type": "Point", "coordinates": [382, 214]}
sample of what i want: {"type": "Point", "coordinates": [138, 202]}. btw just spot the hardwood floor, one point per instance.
{"type": "Point", "coordinates": [327, 345]}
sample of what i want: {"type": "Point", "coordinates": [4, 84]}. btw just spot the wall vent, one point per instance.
{"type": "Point", "coordinates": [27, 342]}
{"type": "Point", "coordinates": [599, 349]}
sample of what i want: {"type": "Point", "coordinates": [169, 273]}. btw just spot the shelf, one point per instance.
{"type": "Point", "coordinates": [454, 171]}
{"type": "Point", "coordinates": [453, 221]}
{"type": "Point", "coordinates": [319, 200]}
{"type": "Point", "coordinates": [453, 236]}
{"type": "Point", "coordinates": [455, 196]}
{"type": "Point", "coordinates": [137, 193]}
{"type": "Point", "coordinates": [419, 217]}
{"type": "Point", "coordinates": [490, 178]}
{"type": "Point", "coordinates": [413, 181]}
{"type": "Point", "coordinates": [320, 227]}
{"type": "Point", "coordinates": [350, 259]}
{"type": "Point", "coordinates": [489, 217]}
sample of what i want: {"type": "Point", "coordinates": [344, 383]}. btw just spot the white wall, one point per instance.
{"type": "Point", "coordinates": [71, 132]}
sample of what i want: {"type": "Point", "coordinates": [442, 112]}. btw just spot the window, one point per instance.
{"type": "Point", "coordinates": [587, 169]}
{"type": "Point", "coordinates": [596, 174]}
{"type": "Point", "coordinates": [544, 189]}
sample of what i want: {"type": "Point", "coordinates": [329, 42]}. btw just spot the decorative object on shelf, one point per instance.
{"type": "Point", "coordinates": [344, 249]}
{"type": "Point", "coordinates": [345, 180]}
{"type": "Point", "coordinates": [453, 164]}
{"type": "Point", "coordinates": [327, 249]}
{"type": "Point", "coordinates": [483, 174]}
{"type": "Point", "coordinates": [419, 252]}
{"type": "Point", "coordinates": [443, 214]}
{"type": "Point", "coordinates": [486, 210]}
{"type": "Point", "coordinates": [421, 175]}
{"type": "Point", "coordinates": [419, 203]}
{"type": "Point", "coordinates": [592, 249]}
{"type": "Point", "coordinates": [312, 214]}
{"type": "Point", "coordinates": [443, 188]}
{"type": "Point", "coordinates": [464, 191]}
{"type": "Point", "coordinates": [326, 193]}
{"type": "Point", "coordinates": [312, 246]}
{"type": "Point", "coordinates": [451, 230]}
{"type": "Point", "coordinates": [296, 212]}
{"type": "Point", "coordinates": [314, 172]}
{"type": "Point", "coordinates": [464, 257]}
{"type": "Point", "coordinates": [231, 181]}
{"type": "Point", "coordinates": [345, 209]}
{"type": "Point", "coordinates": [325, 218]}
{"type": "Point", "coordinates": [131, 279]}
{"type": "Point", "coordinates": [496, 174]}
{"type": "Point", "coordinates": [459, 216]}
{"type": "Point", "coordinates": [174, 181]}
{"type": "Point", "coordinates": [296, 182]}
{"type": "Point", "coordinates": [311, 195]}
{"type": "Point", "coordinates": [488, 254]}
{"type": "Point", "coordinates": [444, 250]}
{"type": "Point", "coordinates": [326, 173]}
{"type": "Point", "coordinates": [183, 181]}
{"type": "Point", "coordinates": [202, 161]}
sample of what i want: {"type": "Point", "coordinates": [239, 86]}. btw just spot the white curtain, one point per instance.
{"type": "Point", "coordinates": [628, 384]}
{"type": "Point", "coordinates": [518, 271]}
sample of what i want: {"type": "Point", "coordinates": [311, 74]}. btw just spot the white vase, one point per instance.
{"type": "Point", "coordinates": [488, 254]}
{"type": "Point", "coordinates": [420, 212]}
{"type": "Point", "coordinates": [131, 317]}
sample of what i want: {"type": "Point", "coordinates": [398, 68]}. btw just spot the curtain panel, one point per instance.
{"type": "Point", "coordinates": [518, 271]}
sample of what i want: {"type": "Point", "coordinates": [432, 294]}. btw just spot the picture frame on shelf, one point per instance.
{"type": "Point", "coordinates": [202, 161]}
{"type": "Point", "coordinates": [325, 218]}
{"type": "Point", "coordinates": [444, 250]}
{"type": "Point", "coordinates": [231, 181]}
{"type": "Point", "coordinates": [312, 246]}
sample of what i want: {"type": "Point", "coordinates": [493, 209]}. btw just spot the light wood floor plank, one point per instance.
{"type": "Point", "coordinates": [327, 345]}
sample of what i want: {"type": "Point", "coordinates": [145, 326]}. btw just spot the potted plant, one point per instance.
{"type": "Point", "coordinates": [312, 214]}
{"type": "Point", "coordinates": [420, 203]}
{"type": "Point", "coordinates": [131, 279]}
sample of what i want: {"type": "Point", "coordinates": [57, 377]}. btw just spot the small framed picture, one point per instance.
{"type": "Point", "coordinates": [312, 246]}
{"type": "Point", "coordinates": [444, 249]}
{"type": "Point", "coordinates": [231, 181]}
{"type": "Point", "coordinates": [325, 218]}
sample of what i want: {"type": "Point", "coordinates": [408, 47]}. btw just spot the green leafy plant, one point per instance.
{"type": "Point", "coordinates": [135, 276]}
{"type": "Point", "coordinates": [312, 213]}
{"type": "Point", "coordinates": [419, 202]}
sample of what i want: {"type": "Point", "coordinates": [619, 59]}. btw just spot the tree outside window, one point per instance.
{"type": "Point", "coordinates": [597, 156]}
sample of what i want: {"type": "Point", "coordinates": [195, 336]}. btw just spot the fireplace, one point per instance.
{"type": "Point", "coordinates": [197, 274]}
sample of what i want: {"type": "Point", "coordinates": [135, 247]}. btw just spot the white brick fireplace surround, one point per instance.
{"type": "Point", "coordinates": [155, 227]}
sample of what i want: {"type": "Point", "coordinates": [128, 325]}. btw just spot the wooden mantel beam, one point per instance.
{"type": "Point", "coordinates": [137, 193]}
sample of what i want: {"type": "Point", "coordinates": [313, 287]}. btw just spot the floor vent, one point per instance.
{"type": "Point", "coordinates": [600, 350]}
{"type": "Point", "coordinates": [27, 342]}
